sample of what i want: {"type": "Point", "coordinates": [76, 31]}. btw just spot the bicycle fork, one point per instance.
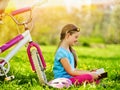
{"type": "Point", "coordinates": [36, 46]}
{"type": "Point", "coordinates": [37, 62]}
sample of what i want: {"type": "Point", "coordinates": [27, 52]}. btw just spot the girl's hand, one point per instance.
{"type": "Point", "coordinates": [95, 75]}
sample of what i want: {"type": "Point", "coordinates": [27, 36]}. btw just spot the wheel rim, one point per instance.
{"type": "Point", "coordinates": [4, 67]}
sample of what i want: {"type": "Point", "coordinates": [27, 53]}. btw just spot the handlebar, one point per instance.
{"type": "Point", "coordinates": [20, 11]}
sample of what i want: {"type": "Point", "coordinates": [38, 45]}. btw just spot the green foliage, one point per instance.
{"type": "Point", "coordinates": [114, 32]}
{"type": "Point", "coordinates": [89, 58]}
{"type": "Point", "coordinates": [116, 16]}
{"type": "Point", "coordinates": [87, 41]}
{"type": "Point", "coordinates": [97, 23]}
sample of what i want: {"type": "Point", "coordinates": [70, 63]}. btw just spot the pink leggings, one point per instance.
{"type": "Point", "coordinates": [78, 80]}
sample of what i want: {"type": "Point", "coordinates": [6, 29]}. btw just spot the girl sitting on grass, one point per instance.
{"type": "Point", "coordinates": [65, 61]}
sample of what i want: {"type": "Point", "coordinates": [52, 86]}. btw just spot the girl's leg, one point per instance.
{"type": "Point", "coordinates": [82, 78]}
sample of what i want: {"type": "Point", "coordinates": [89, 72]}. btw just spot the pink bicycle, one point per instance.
{"type": "Point", "coordinates": [33, 50]}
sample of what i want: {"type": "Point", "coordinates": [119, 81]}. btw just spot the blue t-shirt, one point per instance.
{"type": "Point", "coordinates": [58, 69]}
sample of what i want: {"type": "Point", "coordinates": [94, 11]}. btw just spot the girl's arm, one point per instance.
{"type": "Point", "coordinates": [75, 72]}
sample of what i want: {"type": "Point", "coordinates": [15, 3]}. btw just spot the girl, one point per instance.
{"type": "Point", "coordinates": [65, 62]}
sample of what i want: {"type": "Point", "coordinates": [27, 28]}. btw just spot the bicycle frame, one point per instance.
{"type": "Point", "coordinates": [21, 39]}
{"type": "Point", "coordinates": [33, 50]}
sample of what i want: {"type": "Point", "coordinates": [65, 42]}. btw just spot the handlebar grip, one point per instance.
{"type": "Point", "coordinates": [21, 11]}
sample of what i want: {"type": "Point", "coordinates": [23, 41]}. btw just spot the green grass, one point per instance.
{"type": "Point", "coordinates": [107, 57]}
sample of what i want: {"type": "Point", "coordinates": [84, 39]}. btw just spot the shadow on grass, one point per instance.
{"type": "Point", "coordinates": [116, 76]}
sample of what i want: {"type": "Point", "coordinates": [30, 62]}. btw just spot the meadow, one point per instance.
{"type": "Point", "coordinates": [107, 57]}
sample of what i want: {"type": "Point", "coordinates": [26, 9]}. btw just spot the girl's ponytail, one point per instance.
{"type": "Point", "coordinates": [75, 56]}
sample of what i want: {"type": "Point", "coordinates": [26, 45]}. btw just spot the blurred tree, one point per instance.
{"type": "Point", "coordinates": [114, 26]}
{"type": "Point", "coordinates": [97, 24]}
{"type": "Point", "coordinates": [116, 22]}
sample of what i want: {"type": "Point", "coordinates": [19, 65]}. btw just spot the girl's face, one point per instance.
{"type": "Point", "coordinates": [72, 39]}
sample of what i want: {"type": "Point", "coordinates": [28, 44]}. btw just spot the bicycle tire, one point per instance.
{"type": "Point", "coordinates": [4, 69]}
{"type": "Point", "coordinates": [38, 67]}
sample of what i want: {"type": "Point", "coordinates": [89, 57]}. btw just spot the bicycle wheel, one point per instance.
{"type": "Point", "coordinates": [4, 67]}
{"type": "Point", "coordinates": [39, 67]}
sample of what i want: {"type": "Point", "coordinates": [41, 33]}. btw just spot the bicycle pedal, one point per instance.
{"type": "Point", "coordinates": [9, 78]}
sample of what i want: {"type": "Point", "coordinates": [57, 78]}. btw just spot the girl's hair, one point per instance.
{"type": "Point", "coordinates": [69, 28]}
